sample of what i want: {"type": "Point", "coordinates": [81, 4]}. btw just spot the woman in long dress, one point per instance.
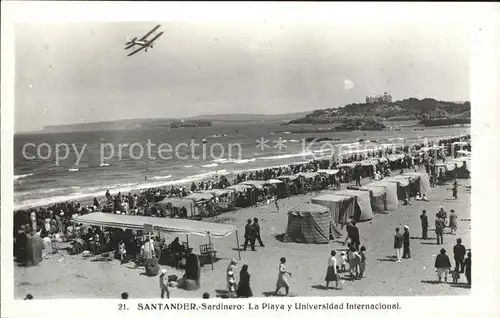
{"type": "Point", "coordinates": [331, 271]}
{"type": "Point", "coordinates": [244, 289]}
{"type": "Point", "coordinates": [453, 221]}
{"type": "Point", "coordinates": [282, 280]}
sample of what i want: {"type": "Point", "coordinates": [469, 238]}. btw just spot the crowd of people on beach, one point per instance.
{"type": "Point", "coordinates": [54, 223]}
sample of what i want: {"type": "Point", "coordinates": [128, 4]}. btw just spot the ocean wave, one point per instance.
{"type": "Point", "coordinates": [99, 191]}
{"type": "Point", "coordinates": [22, 176]}
{"type": "Point", "coordinates": [210, 165]}
{"type": "Point", "coordinates": [160, 177]}
{"type": "Point", "coordinates": [239, 161]}
{"type": "Point", "coordinates": [291, 155]}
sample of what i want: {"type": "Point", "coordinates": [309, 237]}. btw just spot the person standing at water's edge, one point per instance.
{"type": "Point", "coordinates": [282, 280]}
{"type": "Point", "coordinates": [249, 235]}
{"type": "Point", "coordinates": [256, 227]}
{"type": "Point", "coordinates": [425, 224]}
{"type": "Point", "coordinates": [406, 242]}
{"type": "Point", "coordinates": [398, 243]}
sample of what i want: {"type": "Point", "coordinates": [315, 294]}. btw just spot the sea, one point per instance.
{"type": "Point", "coordinates": [40, 179]}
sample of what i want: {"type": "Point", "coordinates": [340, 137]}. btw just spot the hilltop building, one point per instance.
{"type": "Point", "coordinates": [379, 98]}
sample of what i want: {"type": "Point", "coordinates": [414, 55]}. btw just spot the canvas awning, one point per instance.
{"type": "Point", "coordinates": [307, 175]}
{"type": "Point", "coordinates": [239, 187]}
{"type": "Point", "coordinates": [134, 222]}
{"type": "Point", "coordinates": [273, 181]}
{"type": "Point", "coordinates": [328, 171]}
{"type": "Point", "coordinates": [169, 225]}
{"type": "Point", "coordinates": [350, 165]}
{"type": "Point", "coordinates": [289, 177]}
{"type": "Point", "coordinates": [199, 196]}
{"type": "Point", "coordinates": [218, 192]}
{"type": "Point", "coordinates": [254, 183]}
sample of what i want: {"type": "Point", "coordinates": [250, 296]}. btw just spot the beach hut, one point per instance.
{"type": "Point", "coordinates": [308, 223]}
{"type": "Point", "coordinates": [175, 205]}
{"type": "Point", "coordinates": [422, 183]}
{"type": "Point", "coordinates": [341, 207]}
{"type": "Point", "coordinates": [378, 196]}
{"type": "Point", "coordinates": [363, 209]}
{"type": "Point", "coordinates": [403, 186]}
{"type": "Point", "coordinates": [391, 194]}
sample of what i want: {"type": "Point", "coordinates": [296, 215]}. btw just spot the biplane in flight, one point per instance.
{"type": "Point", "coordinates": [143, 42]}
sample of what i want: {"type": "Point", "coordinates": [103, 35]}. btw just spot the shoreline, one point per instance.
{"type": "Point", "coordinates": [88, 199]}
{"type": "Point", "coordinates": [72, 276]}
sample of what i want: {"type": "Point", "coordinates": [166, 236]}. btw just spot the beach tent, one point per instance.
{"type": "Point", "coordinates": [363, 211]}
{"type": "Point", "coordinates": [168, 225]}
{"type": "Point", "coordinates": [378, 197]}
{"type": "Point", "coordinates": [391, 194]}
{"type": "Point", "coordinates": [341, 207]}
{"type": "Point", "coordinates": [422, 183]}
{"type": "Point", "coordinates": [199, 196]}
{"type": "Point", "coordinates": [308, 223]}
{"type": "Point", "coordinates": [403, 186]}
{"type": "Point", "coordinates": [179, 203]}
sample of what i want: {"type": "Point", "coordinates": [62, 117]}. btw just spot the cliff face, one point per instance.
{"type": "Point", "coordinates": [370, 114]}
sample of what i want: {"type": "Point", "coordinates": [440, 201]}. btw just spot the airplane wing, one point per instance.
{"type": "Point", "coordinates": [156, 36]}
{"type": "Point", "coordinates": [140, 49]}
{"type": "Point", "coordinates": [129, 46]}
{"type": "Point", "coordinates": [149, 33]}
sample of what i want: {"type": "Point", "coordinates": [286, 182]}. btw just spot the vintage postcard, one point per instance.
{"type": "Point", "coordinates": [249, 158]}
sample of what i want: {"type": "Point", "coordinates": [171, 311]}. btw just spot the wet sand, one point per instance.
{"type": "Point", "coordinates": [73, 276]}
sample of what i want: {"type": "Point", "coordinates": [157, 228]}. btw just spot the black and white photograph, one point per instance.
{"type": "Point", "coordinates": [255, 158]}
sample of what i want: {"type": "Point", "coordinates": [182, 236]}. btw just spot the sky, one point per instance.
{"type": "Point", "coordinates": [79, 72]}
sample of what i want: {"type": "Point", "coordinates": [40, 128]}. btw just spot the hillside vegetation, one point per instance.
{"type": "Point", "coordinates": [358, 115]}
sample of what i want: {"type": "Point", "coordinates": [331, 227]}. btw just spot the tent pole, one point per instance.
{"type": "Point", "coordinates": [211, 251]}
{"type": "Point", "coordinates": [238, 245]}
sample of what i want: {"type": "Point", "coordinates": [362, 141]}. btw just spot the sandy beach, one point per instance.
{"type": "Point", "coordinates": [73, 276]}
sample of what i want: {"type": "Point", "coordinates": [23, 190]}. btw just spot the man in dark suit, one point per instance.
{"type": "Point", "coordinates": [459, 255]}
{"type": "Point", "coordinates": [249, 235]}
{"type": "Point", "coordinates": [256, 227]}
{"type": "Point", "coordinates": [425, 224]}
